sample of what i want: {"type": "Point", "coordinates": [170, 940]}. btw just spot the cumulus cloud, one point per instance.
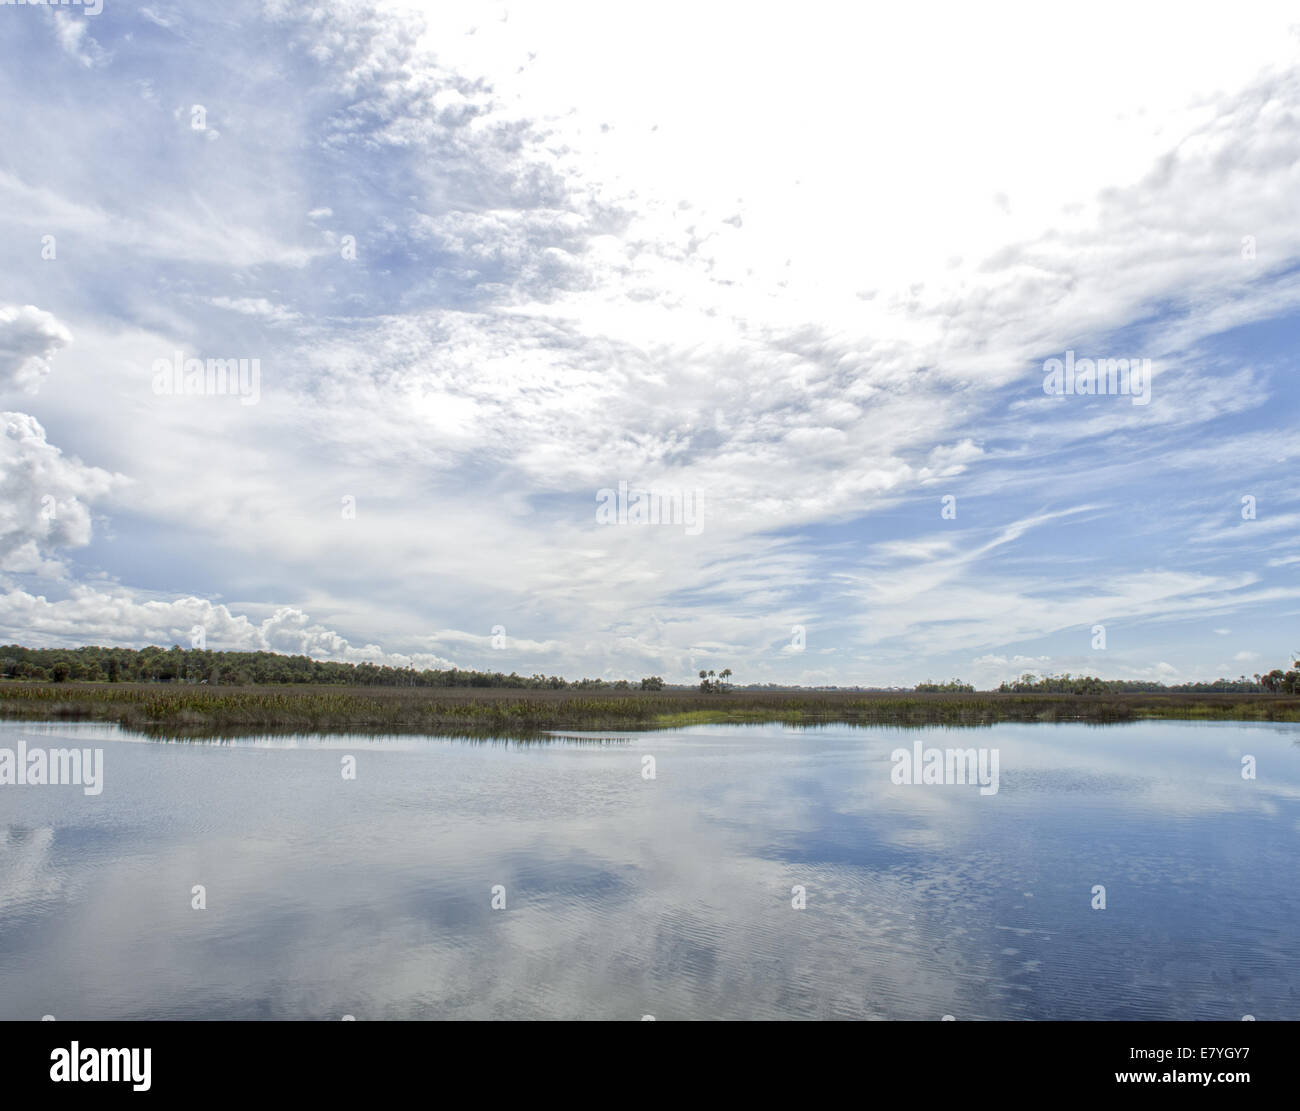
{"type": "Point", "coordinates": [45, 496]}
{"type": "Point", "coordinates": [119, 617]}
{"type": "Point", "coordinates": [29, 338]}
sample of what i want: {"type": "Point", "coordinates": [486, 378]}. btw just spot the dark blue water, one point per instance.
{"type": "Point", "coordinates": [627, 896]}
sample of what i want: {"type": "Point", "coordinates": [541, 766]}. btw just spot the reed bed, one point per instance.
{"type": "Point", "coordinates": [178, 711]}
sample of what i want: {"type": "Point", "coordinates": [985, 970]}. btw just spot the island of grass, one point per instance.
{"type": "Point", "coordinates": [178, 693]}
{"type": "Point", "coordinates": [181, 710]}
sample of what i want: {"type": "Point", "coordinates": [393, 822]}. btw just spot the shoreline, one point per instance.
{"type": "Point", "coordinates": [180, 711]}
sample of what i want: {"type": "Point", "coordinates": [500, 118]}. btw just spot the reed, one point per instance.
{"type": "Point", "coordinates": [178, 711]}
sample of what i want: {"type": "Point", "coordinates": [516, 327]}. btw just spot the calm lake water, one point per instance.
{"type": "Point", "coordinates": [628, 896]}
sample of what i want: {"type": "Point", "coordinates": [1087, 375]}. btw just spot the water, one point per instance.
{"type": "Point", "coordinates": [672, 896]}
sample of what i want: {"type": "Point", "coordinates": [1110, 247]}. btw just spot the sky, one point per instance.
{"type": "Point", "coordinates": [797, 275]}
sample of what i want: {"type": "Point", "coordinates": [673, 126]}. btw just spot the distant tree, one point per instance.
{"type": "Point", "coordinates": [713, 683]}
{"type": "Point", "coordinates": [652, 683]}
{"type": "Point", "coordinates": [1274, 681]}
{"type": "Point", "coordinates": [60, 671]}
{"type": "Point", "coordinates": [1290, 682]}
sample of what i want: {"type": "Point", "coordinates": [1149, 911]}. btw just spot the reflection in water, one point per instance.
{"type": "Point", "coordinates": [673, 895]}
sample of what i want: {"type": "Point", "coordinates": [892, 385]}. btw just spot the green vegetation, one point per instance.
{"type": "Point", "coordinates": [1275, 682]}
{"type": "Point", "coordinates": [181, 693]}
{"type": "Point", "coordinates": [178, 710]}
{"type": "Point", "coordinates": [1286, 682]}
{"type": "Point", "coordinates": [200, 666]}
{"type": "Point", "coordinates": [713, 683]}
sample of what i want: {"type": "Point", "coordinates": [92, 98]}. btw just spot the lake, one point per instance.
{"type": "Point", "coordinates": [741, 872]}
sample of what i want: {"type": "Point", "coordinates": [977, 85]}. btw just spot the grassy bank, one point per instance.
{"type": "Point", "coordinates": [178, 711]}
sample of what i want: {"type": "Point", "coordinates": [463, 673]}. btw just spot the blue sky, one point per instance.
{"type": "Point", "coordinates": [806, 270]}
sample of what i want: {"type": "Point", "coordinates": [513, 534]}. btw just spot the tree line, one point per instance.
{"type": "Point", "coordinates": [201, 665]}
{"type": "Point", "coordinates": [1276, 681]}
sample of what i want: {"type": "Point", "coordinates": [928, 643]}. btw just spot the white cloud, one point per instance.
{"type": "Point", "coordinates": [44, 496]}
{"type": "Point", "coordinates": [256, 306]}
{"type": "Point", "coordinates": [118, 617]}
{"type": "Point", "coordinates": [71, 31]}
{"type": "Point", "coordinates": [29, 337]}
{"type": "Point", "coordinates": [819, 316]}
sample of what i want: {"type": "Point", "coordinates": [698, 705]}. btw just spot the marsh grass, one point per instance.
{"type": "Point", "coordinates": [185, 711]}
